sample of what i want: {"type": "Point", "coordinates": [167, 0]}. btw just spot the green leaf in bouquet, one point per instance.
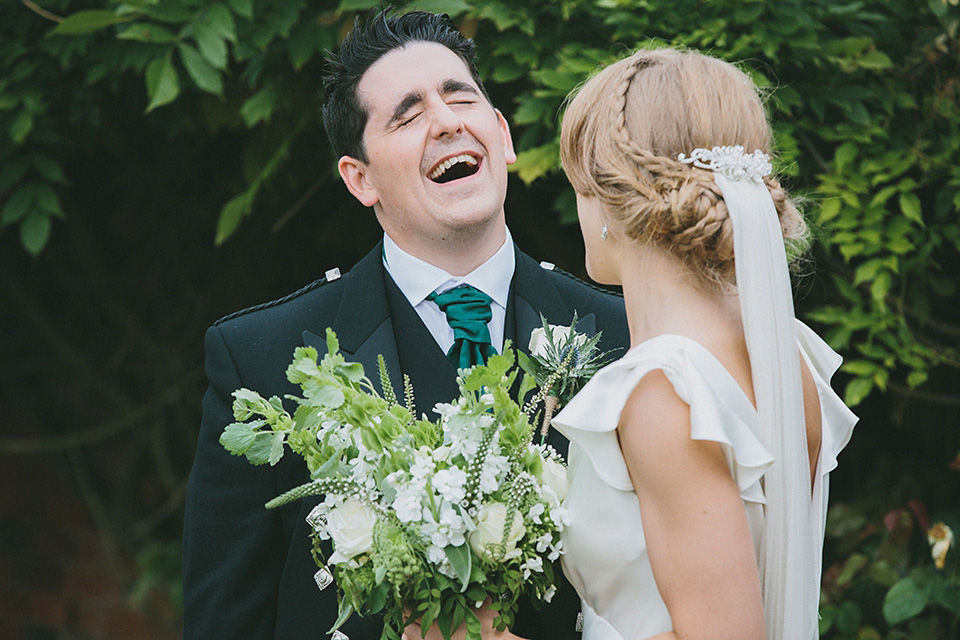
{"type": "Point", "coordinates": [515, 430]}
{"type": "Point", "coordinates": [276, 448]}
{"type": "Point", "coordinates": [352, 371]}
{"type": "Point", "coordinates": [461, 560]}
{"type": "Point", "coordinates": [304, 365]}
{"type": "Point", "coordinates": [328, 468]}
{"type": "Point", "coordinates": [307, 418]}
{"type": "Point", "coordinates": [425, 433]}
{"type": "Point", "coordinates": [527, 384]}
{"type": "Point", "coordinates": [261, 451]}
{"type": "Point", "coordinates": [333, 345]}
{"type": "Point", "coordinates": [346, 610]}
{"type": "Point", "coordinates": [328, 396]}
{"type": "Point", "coordinates": [247, 403]}
{"type": "Point", "coordinates": [238, 437]}
{"type": "Point", "coordinates": [378, 598]}
{"type": "Point", "coordinates": [473, 624]}
{"type": "Point", "coordinates": [530, 366]}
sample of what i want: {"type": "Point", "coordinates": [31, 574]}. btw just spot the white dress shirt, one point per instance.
{"type": "Point", "coordinates": [418, 279]}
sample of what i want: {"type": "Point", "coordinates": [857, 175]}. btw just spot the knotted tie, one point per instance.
{"type": "Point", "coordinates": [468, 312]}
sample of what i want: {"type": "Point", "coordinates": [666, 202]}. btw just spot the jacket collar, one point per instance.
{"type": "Point", "coordinates": [365, 329]}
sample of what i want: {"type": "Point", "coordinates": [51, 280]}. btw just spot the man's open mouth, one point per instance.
{"type": "Point", "coordinates": [455, 168]}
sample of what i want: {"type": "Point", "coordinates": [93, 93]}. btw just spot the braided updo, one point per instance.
{"type": "Point", "coordinates": [624, 129]}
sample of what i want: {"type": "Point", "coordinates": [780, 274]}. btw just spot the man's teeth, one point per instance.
{"type": "Point", "coordinates": [449, 162]}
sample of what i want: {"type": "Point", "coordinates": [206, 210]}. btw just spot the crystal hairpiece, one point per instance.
{"type": "Point", "coordinates": [731, 162]}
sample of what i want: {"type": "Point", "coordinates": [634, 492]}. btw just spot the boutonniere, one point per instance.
{"type": "Point", "coordinates": [560, 362]}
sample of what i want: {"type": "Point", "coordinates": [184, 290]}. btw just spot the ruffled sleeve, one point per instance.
{"type": "Point", "coordinates": [719, 411]}
{"type": "Point", "coordinates": [838, 420]}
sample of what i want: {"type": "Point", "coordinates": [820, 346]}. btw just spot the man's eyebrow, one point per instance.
{"type": "Point", "coordinates": [412, 98]}
{"type": "Point", "coordinates": [457, 86]}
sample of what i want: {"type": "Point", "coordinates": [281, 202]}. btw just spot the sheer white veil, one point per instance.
{"type": "Point", "coordinates": [789, 559]}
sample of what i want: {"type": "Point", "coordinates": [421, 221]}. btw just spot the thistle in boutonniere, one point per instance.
{"type": "Point", "coordinates": [561, 361]}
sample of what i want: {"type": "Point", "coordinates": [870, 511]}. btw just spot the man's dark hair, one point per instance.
{"type": "Point", "coordinates": [344, 117]}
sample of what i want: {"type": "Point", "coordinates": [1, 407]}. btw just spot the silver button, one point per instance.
{"type": "Point", "coordinates": [579, 627]}
{"type": "Point", "coordinates": [324, 578]}
{"type": "Point", "coordinates": [549, 266]}
{"type": "Point", "coordinates": [317, 518]}
{"type": "Point", "coordinates": [332, 274]}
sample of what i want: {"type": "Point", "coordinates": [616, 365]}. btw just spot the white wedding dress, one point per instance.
{"type": "Point", "coordinates": [605, 553]}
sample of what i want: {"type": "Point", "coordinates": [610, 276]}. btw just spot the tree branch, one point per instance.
{"type": "Point", "coordinates": [40, 11]}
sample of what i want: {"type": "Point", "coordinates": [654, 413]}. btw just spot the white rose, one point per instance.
{"type": "Point", "coordinates": [555, 477]}
{"type": "Point", "coordinates": [351, 528]}
{"type": "Point", "coordinates": [538, 339]}
{"type": "Point", "coordinates": [491, 522]}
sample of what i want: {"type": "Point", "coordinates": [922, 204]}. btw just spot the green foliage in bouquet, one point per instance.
{"type": "Point", "coordinates": [428, 520]}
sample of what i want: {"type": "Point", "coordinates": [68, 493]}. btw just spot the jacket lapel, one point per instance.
{"type": "Point", "coordinates": [533, 293]}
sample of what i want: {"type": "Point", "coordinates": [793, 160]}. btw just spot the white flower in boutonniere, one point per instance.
{"type": "Point", "coordinates": [561, 361]}
{"type": "Point", "coordinates": [539, 344]}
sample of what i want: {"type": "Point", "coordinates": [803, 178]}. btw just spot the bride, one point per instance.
{"type": "Point", "coordinates": [699, 461]}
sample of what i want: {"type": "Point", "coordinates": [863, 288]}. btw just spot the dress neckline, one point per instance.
{"type": "Point", "coordinates": [717, 374]}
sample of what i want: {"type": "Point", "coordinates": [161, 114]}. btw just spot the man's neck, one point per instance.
{"type": "Point", "coordinates": [459, 253]}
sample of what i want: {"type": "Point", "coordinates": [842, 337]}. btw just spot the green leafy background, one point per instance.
{"type": "Point", "coordinates": [162, 163]}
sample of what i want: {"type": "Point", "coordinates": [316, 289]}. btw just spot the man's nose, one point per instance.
{"type": "Point", "coordinates": [446, 121]}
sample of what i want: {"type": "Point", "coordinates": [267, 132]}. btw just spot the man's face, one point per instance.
{"type": "Point", "coordinates": [437, 151]}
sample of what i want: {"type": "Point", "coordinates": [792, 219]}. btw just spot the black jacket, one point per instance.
{"type": "Point", "coordinates": [248, 572]}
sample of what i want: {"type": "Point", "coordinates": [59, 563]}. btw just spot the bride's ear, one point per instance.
{"type": "Point", "coordinates": [355, 174]}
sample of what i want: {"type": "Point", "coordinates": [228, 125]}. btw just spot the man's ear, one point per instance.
{"type": "Point", "coordinates": [354, 174]}
{"type": "Point", "coordinates": [508, 152]}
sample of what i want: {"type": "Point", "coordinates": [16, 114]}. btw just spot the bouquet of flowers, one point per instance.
{"type": "Point", "coordinates": [428, 519]}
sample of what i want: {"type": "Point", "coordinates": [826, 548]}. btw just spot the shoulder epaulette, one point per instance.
{"type": "Point", "coordinates": [330, 276]}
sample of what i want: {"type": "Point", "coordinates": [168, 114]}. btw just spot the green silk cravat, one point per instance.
{"type": "Point", "coordinates": [468, 312]}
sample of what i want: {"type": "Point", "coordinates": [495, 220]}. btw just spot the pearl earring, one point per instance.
{"type": "Point", "coordinates": [603, 233]}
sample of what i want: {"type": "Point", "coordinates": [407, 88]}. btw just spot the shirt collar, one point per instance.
{"type": "Point", "coordinates": [417, 279]}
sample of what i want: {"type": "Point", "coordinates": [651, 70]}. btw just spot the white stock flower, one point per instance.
{"type": "Point", "coordinates": [548, 595]}
{"type": "Point", "coordinates": [463, 433]}
{"type": "Point", "coordinates": [535, 512]}
{"type": "Point", "coordinates": [449, 530]}
{"type": "Point", "coordinates": [407, 505]}
{"type": "Point", "coordinates": [351, 528]}
{"type": "Point", "coordinates": [450, 484]}
{"type": "Point", "coordinates": [491, 522]}
{"type": "Point", "coordinates": [494, 466]}
{"type": "Point", "coordinates": [422, 466]}
{"type": "Point", "coordinates": [532, 564]}
{"type": "Point", "coordinates": [555, 477]}
{"type": "Point", "coordinates": [438, 558]}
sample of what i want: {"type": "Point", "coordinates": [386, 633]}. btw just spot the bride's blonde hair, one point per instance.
{"type": "Point", "coordinates": [624, 129]}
